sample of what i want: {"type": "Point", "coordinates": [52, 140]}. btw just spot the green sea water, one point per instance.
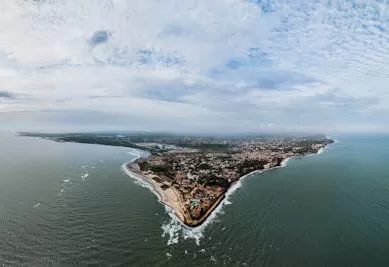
{"type": "Point", "coordinates": [65, 204]}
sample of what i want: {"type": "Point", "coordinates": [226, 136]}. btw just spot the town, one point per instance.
{"type": "Point", "coordinates": [192, 174]}
{"type": "Point", "coordinates": [201, 177]}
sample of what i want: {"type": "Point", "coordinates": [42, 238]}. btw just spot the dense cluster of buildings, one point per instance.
{"type": "Point", "coordinates": [202, 177]}
{"type": "Point", "coordinates": [193, 172]}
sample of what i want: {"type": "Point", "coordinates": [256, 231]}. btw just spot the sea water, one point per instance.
{"type": "Point", "coordinates": [71, 204]}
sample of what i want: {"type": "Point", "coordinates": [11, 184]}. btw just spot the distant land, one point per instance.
{"type": "Point", "coordinates": [191, 174]}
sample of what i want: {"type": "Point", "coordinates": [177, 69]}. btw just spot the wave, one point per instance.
{"type": "Point", "coordinates": [335, 140]}
{"type": "Point", "coordinates": [138, 180]}
{"type": "Point", "coordinates": [84, 176]}
{"type": "Point", "coordinates": [37, 205]}
{"type": "Point", "coordinates": [173, 229]}
{"type": "Point", "coordinates": [323, 149]}
{"type": "Point", "coordinates": [284, 163]}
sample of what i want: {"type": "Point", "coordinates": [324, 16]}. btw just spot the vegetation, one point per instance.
{"type": "Point", "coordinates": [164, 186]}
{"type": "Point", "coordinates": [216, 147]}
{"type": "Point", "coordinates": [88, 139]}
{"type": "Point", "coordinates": [144, 165]}
{"type": "Point", "coordinates": [205, 166]}
{"type": "Point", "coordinates": [161, 168]}
{"type": "Point", "coordinates": [158, 180]}
{"type": "Point", "coordinates": [213, 180]}
{"type": "Point", "coordinates": [248, 166]}
{"type": "Point", "coordinates": [165, 170]}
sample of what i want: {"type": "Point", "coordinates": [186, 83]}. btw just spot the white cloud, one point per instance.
{"type": "Point", "coordinates": [205, 65]}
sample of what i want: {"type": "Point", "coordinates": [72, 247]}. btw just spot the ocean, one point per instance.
{"type": "Point", "coordinates": [67, 204]}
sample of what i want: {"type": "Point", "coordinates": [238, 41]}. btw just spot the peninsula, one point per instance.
{"type": "Point", "coordinates": [192, 174]}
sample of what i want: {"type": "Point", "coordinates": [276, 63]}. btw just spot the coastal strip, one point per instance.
{"type": "Point", "coordinates": [193, 175]}
{"type": "Point", "coordinates": [167, 197]}
{"type": "Point", "coordinates": [171, 199]}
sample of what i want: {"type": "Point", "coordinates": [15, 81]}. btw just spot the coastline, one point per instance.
{"type": "Point", "coordinates": [155, 189]}
{"type": "Point", "coordinates": [170, 199]}
{"type": "Point", "coordinates": [167, 197]}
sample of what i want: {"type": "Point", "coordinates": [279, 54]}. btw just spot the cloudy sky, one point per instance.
{"type": "Point", "coordinates": [194, 66]}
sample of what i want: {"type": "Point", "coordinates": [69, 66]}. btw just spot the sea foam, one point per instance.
{"type": "Point", "coordinates": [37, 205]}
{"type": "Point", "coordinates": [173, 229]}
{"type": "Point", "coordinates": [284, 163]}
{"type": "Point", "coordinates": [137, 180]}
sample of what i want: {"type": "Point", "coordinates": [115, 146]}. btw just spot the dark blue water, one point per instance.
{"type": "Point", "coordinates": [330, 209]}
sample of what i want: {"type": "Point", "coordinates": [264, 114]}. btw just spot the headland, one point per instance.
{"type": "Point", "coordinates": [194, 183]}
{"type": "Point", "coordinates": [191, 174]}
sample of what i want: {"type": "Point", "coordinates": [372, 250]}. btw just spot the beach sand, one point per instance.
{"type": "Point", "coordinates": [171, 198]}
{"type": "Point", "coordinates": [166, 196]}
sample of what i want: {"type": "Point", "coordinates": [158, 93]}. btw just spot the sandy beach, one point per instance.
{"type": "Point", "coordinates": [166, 196]}
{"type": "Point", "coordinates": [171, 198]}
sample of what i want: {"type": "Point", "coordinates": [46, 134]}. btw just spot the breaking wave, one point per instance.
{"type": "Point", "coordinates": [284, 163]}
{"type": "Point", "coordinates": [174, 229]}
{"type": "Point", "coordinates": [37, 205]}
{"type": "Point", "coordinates": [137, 180]}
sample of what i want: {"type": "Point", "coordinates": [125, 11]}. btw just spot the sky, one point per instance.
{"type": "Point", "coordinates": [194, 66]}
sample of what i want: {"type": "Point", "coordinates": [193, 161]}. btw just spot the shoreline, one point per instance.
{"type": "Point", "coordinates": [154, 188]}
{"type": "Point", "coordinates": [169, 197]}
{"type": "Point", "coordinates": [152, 185]}
{"type": "Point", "coordinates": [173, 201]}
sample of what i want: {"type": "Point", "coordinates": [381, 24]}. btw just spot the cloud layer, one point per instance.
{"type": "Point", "coordinates": [228, 65]}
